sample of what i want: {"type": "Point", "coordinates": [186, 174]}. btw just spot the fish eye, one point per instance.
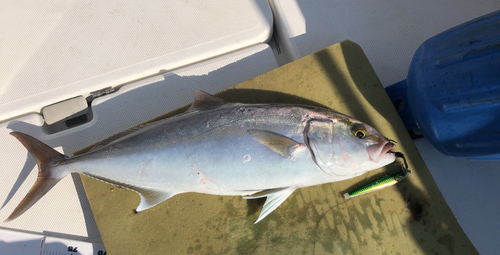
{"type": "Point", "coordinates": [360, 134]}
{"type": "Point", "coordinates": [359, 131]}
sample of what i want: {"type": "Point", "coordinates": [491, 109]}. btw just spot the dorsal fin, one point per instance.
{"type": "Point", "coordinates": [203, 101]}
{"type": "Point", "coordinates": [117, 136]}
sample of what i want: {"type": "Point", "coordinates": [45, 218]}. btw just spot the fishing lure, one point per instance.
{"type": "Point", "coordinates": [380, 183]}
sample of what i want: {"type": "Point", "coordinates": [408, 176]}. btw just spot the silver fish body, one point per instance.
{"type": "Point", "coordinates": [220, 148]}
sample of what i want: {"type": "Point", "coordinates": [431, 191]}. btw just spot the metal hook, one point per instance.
{"type": "Point", "coordinates": [401, 155]}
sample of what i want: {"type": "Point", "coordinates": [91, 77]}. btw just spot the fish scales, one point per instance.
{"type": "Point", "coordinates": [221, 148]}
{"type": "Point", "coordinates": [155, 157]}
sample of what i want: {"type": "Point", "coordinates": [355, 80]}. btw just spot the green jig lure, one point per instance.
{"type": "Point", "coordinates": [380, 183]}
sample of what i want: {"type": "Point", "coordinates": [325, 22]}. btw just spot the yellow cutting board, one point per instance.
{"type": "Point", "coordinates": [411, 217]}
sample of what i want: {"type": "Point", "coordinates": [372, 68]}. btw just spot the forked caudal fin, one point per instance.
{"type": "Point", "coordinates": [46, 158]}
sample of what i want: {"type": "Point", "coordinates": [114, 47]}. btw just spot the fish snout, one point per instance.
{"type": "Point", "coordinates": [377, 151]}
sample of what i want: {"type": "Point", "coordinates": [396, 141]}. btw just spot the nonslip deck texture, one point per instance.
{"type": "Point", "coordinates": [411, 217]}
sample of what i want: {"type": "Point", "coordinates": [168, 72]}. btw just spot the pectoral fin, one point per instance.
{"type": "Point", "coordinates": [273, 201]}
{"type": "Point", "coordinates": [283, 145]}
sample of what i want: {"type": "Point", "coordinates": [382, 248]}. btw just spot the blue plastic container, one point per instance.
{"type": "Point", "coordinates": [452, 91]}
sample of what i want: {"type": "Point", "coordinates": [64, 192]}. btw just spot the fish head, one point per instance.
{"type": "Point", "coordinates": [349, 147]}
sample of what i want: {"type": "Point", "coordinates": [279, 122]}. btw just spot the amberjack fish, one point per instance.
{"type": "Point", "coordinates": [221, 148]}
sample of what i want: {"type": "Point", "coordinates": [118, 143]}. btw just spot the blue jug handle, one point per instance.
{"type": "Point", "coordinates": [398, 93]}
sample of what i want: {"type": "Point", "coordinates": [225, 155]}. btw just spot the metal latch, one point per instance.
{"type": "Point", "coordinates": [102, 92]}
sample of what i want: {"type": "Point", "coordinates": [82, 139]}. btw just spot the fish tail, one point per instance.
{"type": "Point", "coordinates": [46, 158]}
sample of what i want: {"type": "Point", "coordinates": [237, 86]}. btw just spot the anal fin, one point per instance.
{"type": "Point", "coordinates": [273, 201]}
{"type": "Point", "coordinates": [149, 197]}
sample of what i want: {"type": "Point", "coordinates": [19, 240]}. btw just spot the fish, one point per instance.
{"type": "Point", "coordinates": [380, 183]}
{"type": "Point", "coordinates": [221, 148]}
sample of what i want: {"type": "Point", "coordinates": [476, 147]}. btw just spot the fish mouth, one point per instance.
{"type": "Point", "coordinates": [377, 151]}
